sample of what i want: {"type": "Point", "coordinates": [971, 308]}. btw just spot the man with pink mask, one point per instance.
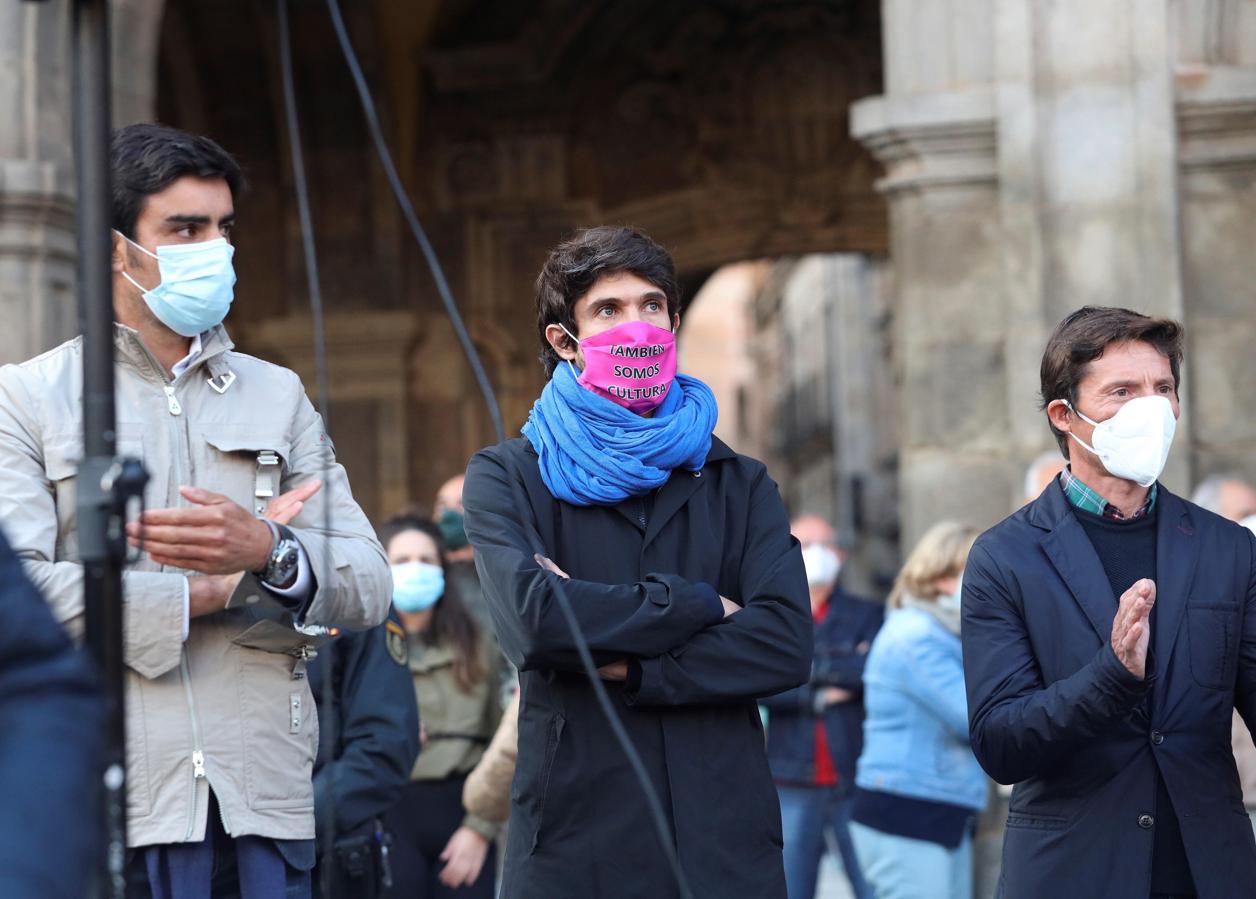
{"type": "Point", "coordinates": [675, 554]}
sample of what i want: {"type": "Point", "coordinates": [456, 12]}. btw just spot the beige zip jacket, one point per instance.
{"type": "Point", "coordinates": [229, 708]}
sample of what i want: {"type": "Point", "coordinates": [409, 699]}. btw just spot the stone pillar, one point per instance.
{"type": "Point", "coordinates": [1030, 169]}
{"type": "Point", "coordinates": [37, 252]}
{"type": "Point", "coordinates": [939, 153]}
{"type": "Point", "coordinates": [37, 229]}
{"type": "Point", "coordinates": [1216, 108]}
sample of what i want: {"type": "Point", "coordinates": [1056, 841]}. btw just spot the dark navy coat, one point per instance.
{"type": "Point", "coordinates": [842, 641]}
{"type": "Point", "coordinates": [579, 827]}
{"type": "Point", "coordinates": [51, 741]}
{"type": "Point", "coordinates": [1052, 710]}
{"type": "Point", "coordinates": [366, 754]}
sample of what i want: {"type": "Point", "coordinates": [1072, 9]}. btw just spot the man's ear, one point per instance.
{"type": "Point", "coordinates": [1059, 414]}
{"type": "Point", "coordinates": [560, 343]}
{"type": "Point", "coordinates": [118, 257]}
{"type": "Point", "coordinates": [676, 323]}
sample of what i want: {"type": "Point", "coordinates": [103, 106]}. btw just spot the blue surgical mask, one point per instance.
{"type": "Point", "coordinates": [417, 586]}
{"type": "Point", "coordinates": [197, 285]}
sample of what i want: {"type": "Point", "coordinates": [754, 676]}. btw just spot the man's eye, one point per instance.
{"type": "Point", "coordinates": [606, 311]}
{"type": "Point", "coordinates": [654, 306]}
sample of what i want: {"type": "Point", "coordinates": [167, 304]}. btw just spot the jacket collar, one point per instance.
{"type": "Point", "coordinates": [1071, 552]}
{"type": "Point", "coordinates": [214, 345]}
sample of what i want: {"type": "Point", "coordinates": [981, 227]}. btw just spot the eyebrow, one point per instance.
{"type": "Point", "coordinates": [648, 295]}
{"type": "Point", "coordinates": [179, 219]}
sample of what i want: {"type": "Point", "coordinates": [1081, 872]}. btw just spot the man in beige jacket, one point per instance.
{"type": "Point", "coordinates": [224, 607]}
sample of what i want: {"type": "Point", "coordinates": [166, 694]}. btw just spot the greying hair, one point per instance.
{"type": "Point", "coordinates": [1208, 493]}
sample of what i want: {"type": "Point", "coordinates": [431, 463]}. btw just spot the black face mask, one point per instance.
{"type": "Point", "coordinates": [452, 530]}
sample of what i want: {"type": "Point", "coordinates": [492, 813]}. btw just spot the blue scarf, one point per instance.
{"type": "Point", "coordinates": [594, 452]}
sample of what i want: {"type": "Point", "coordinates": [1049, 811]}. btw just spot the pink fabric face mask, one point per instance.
{"type": "Point", "coordinates": [633, 364]}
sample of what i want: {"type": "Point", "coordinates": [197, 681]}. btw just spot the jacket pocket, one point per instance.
{"type": "Point", "coordinates": [232, 462]}
{"type": "Point", "coordinates": [554, 736]}
{"type": "Point", "coordinates": [1213, 632]}
{"type": "Point", "coordinates": [1036, 822]}
{"type": "Point", "coordinates": [280, 730]}
{"type": "Point", "coordinates": [63, 454]}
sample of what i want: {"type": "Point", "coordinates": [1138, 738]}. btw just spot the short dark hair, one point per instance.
{"type": "Point", "coordinates": [1083, 337]}
{"type": "Point", "coordinates": [575, 265]}
{"type": "Point", "coordinates": [145, 159]}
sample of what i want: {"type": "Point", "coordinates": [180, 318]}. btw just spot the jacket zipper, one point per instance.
{"type": "Point", "coordinates": [175, 408]}
{"type": "Point", "coordinates": [198, 754]}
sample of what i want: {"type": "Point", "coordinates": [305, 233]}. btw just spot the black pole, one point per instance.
{"type": "Point", "coordinates": [102, 544]}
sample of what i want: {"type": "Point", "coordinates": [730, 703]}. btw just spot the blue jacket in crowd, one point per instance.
{"type": "Point", "coordinates": [842, 640]}
{"type": "Point", "coordinates": [366, 752]}
{"type": "Point", "coordinates": [916, 726]}
{"type": "Point", "coordinates": [51, 740]}
{"type": "Point", "coordinates": [1055, 712]}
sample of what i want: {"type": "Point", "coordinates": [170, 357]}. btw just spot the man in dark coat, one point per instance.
{"type": "Point", "coordinates": [365, 751]}
{"type": "Point", "coordinates": [51, 722]}
{"type": "Point", "coordinates": [1109, 629]}
{"type": "Point", "coordinates": [688, 588]}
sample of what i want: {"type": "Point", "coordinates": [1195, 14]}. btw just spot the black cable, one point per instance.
{"type": "Point", "coordinates": [328, 717]}
{"type": "Point", "coordinates": [582, 647]}
{"type": "Point", "coordinates": [407, 209]}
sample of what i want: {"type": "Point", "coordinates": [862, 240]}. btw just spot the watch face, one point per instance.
{"type": "Point", "coordinates": [283, 563]}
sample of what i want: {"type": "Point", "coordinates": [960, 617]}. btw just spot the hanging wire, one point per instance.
{"type": "Point", "coordinates": [328, 717]}
{"type": "Point", "coordinates": [653, 803]}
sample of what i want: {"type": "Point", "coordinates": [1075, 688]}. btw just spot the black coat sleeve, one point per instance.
{"type": "Point", "coordinates": [51, 720]}
{"type": "Point", "coordinates": [378, 733]}
{"type": "Point", "coordinates": [759, 650]}
{"type": "Point", "coordinates": [617, 620]}
{"type": "Point", "coordinates": [1020, 727]}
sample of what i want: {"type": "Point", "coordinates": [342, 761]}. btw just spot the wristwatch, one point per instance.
{"type": "Point", "coordinates": [285, 554]}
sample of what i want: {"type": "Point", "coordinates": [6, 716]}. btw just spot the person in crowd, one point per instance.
{"type": "Point", "coordinates": [1109, 632]}
{"type": "Point", "coordinates": [221, 725]}
{"type": "Point", "coordinates": [439, 849]}
{"type": "Point", "coordinates": [1041, 473]}
{"type": "Point", "coordinates": [1232, 497]}
{"type": "Point", "coordinates": [684, 582]}
{"type": "Point", "coordinates": [51, 744]}
{"type": "Point", "coordinates": [368, 741]}
{"type": "Point", "coordinates": [815, 732]}
{"type": "Point", "coordinates": [918, 788]}
{"type": "Point", "coordinates": [450, 517]}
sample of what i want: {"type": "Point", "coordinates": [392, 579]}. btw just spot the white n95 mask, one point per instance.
{"type": "Point", "coordinates": [822, 564]}
{"type": "Point", "coordinates": [1134, 444]}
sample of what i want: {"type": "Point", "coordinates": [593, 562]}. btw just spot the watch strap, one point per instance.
{"type": "Point", "coordinates": [275, 537]}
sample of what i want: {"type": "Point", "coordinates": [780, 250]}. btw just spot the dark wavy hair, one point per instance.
{"type": "Point", "coordinates": [145, 159]}
{"type": "Point", "coordinates": [575, 265]}
{"type": "Point", "coordinates": [452, 625]}
{"type": "Point", "coordinates": [1083, 337]}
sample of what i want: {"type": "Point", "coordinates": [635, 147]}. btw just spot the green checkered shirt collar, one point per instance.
{"type": "Point", "coordinates": [1087, 500]}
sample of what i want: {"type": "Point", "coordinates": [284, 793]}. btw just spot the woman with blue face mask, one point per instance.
{"type": "Point", "coordinates": [438, 848]}
{"type": "Point", "coordinates": [918, 787]}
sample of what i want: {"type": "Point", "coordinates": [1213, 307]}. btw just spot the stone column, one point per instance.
{"type": "Point", "coordinates": [1216, 108]}
{"type": "Point", "coordinates": [939, 153]}
{"type": "Point", "coordinates": [37, 229]}
{"type": "Point", "coordinates": [37, 253]}
{"type": "Point", "coordinates": [1026, 176]}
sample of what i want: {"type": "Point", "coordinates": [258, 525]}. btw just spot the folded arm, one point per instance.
{"type": "Point", "coordinates": [617, 620]}
{"type": "Point", "coordinates": [757, 652]}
